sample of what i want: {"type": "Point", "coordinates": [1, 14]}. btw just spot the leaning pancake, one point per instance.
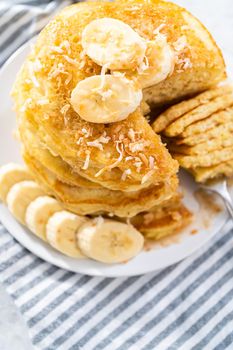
{"type": "Point", "coordinates": [85, 201]}
{"type": "Point", "coordinates": [220, 131]}
{"type": "Point", "coordinates": [214, 120]}
{"type": "Point", "coordinates": [203, 174]}
{"type": "Point", "coordinates": [178, 110]}
{"type": "Point", "coordinates": [205, 147]}
{"type": "Point", "coordinates": [199, 113]}
{"type": "Point", "coordinates": [206, 160]}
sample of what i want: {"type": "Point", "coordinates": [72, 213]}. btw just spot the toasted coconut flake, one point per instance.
{"type": "Point", "coordinates": [80, 141]}
{"type": "Point", "coordinates": [71, 60]}
{"type": "Point", "coordinates": [26, 104]}
{"type": "Point", "coordinates": [125, 174]}
{"type": "Point", "coordinates": [95, 144]}
{"type": "Point", "coordinates": [147, 176]}
{"type": "Point", "coordinates": [151, 162]}
{"type": "Point", "coordinates": [160, 27]}
{"type": "Point", "coordinates": [57, 49]}
{"type": "Point", "coordinates": [113, 165]}
{"type": "Point", "coordinates": [87, 160]}
{"type": "Point", "coordinates": [143, 158]}
{"type": "Point", "coordinates": [127, 159]}
{"type": "Point", "coordinates": [180, 44]}
{"type": "Point", "coordinates": [136, 146]}
{"type": "Point", "coordinates": [131, 135]}
{"type": "Point", "coordinates": [42, 101]}
{"type": "Point", "coordinates": [65, 108]}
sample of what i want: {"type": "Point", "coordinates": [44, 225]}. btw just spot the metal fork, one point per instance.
{"type": "Point", "coordinates": [220, 188]}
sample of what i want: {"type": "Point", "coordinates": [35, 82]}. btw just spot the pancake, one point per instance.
{"type": "Point", "coordinates": [203, 148]}
{"type": "Point", "coordinates": [221, 131]}
{"type": "Point", "coordinates": [165, 166]}
{"type": "Point", "coordinates": [199, 113]}
{"type": "Point", "coordinates": [211, 122]}
{"type": "Point", "coordinates": [164, 221]}
{"type": "Point", "coordinates": [204, 160]}
{"type": "Point", "coordinates": [202, 174]}
{"type": "Point", "coordinates": [84, 201]}
{"type": "Point", "coordinates": [178, 110]}
{"type": "Point", "coordinates": [68, 134]}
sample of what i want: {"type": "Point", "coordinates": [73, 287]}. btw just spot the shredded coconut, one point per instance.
{"type": "Point", "coordinates": [157, 30]}
{"type": "Point", "coordinates": [136, 146]}
{"type": "Point", "coordinates": [66, 44]}
{"type": "Point", "coordinates": [180, 43]}
{"type": "Point", "coordinates": [80, 140]}
{"type": "Point", "coordinates": [68, 79]}
{"type": "Point", "coordinates": [95, 144]}
{"type": "Point", "coordinates": [87, 160]}
{"type": "Point", "coordinates": [57, 49]}
{"type": "Point", "coordinates": [26, 104]}
{"type": "Point", "coordinates": [103, 139]}
{"type": "Point", "coordinates": [113, 165]}
{"type": "Point", "coordinates": [187, 63]}
{"type": "Point", "coordinates": [147, 176]}
{"type": "Point", "coordinates": [138, 166]}
{"type": "Point", "coordinates": [131, 134]}
{"type": "Point", "coordinates": [37, 65]}
{"type": "Point", "coordinates": [143, 158]}
{"type": "Point", "coordinates": [65, 109]}
{"type": "Point", "coordinates": [151, 162]}
{"type": "Point", "coordinates": [32, 75]}
{"type": "Point", "coordinates": [127, 159]}
{"type": "Point", "coordinates": [70, 60]}
{"type": "Point", "coordinates": [43, 101]}
{"type": "Point", "coordinates": [125, 174]}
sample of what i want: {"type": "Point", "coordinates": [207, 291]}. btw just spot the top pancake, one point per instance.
{"type": "Point", "coordinates": [44, 85]}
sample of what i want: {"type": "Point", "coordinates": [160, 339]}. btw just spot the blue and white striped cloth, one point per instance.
{"type": "Point", "coordinates": [186, 306]}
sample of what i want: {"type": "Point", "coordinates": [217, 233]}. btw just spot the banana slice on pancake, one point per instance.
{"type": "Point", "coordinates": [109, 241]}
{"type": "Point", "coordinates": [112, 43]}
{"type": "Point", "coordinates": [105, 98]}
{"type": "Point", "coordinates": [159, 62]}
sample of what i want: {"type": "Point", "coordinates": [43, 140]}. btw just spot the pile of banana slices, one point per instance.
{"type": "Point", "coordinates": [133, 62]}
{"type": "Point", "coordinates": [76, 236]}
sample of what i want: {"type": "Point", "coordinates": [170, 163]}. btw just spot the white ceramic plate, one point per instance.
{"type": "Point", "coordinates": [157, 258]}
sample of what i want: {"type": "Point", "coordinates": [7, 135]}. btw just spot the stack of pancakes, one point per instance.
{"type": "Point", "coordinates": [122, 168]}
{"type": "Point", "coordinates": [199, 133]}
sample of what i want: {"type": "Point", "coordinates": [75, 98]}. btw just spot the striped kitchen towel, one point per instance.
{"type": "Point", "coordinates": [185, 306]}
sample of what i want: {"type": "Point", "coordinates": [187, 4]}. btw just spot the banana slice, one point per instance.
{"type": "Point", "coordinates": [38, 214]}
{"type": "Point", "coordinates": [113, 43]}
{"type": "Point", "coordinates": [61, 232]}
{"type": "Point", "coordinates": [105, 99]}
{"type": "Point", "coordinates": [10, 174]}
{"type": "Point", "coordinates": [20, 196]}
{"type": "Point", "coordinates": [109, 241]}
{"type": "Point", "coordinates": [159, 62]}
